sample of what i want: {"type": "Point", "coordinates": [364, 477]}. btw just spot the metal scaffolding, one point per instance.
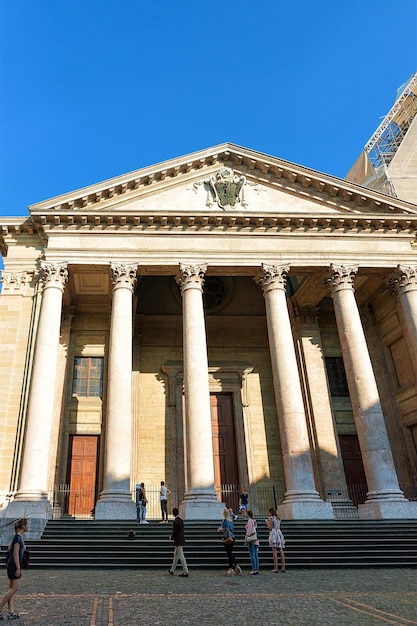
{"type": "Point", "coordinates": [387, 138]}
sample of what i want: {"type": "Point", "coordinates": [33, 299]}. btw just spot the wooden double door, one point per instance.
{"type": "Point", "coordinates": [354, 469]}
{"type": "Point", "coordinates": [226, 470]}
{"type": "Point", "coordinates": [82, 475]}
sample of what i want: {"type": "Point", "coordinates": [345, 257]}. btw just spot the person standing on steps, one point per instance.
{"type": "Point", "coordinates": [228, 537]}
{"type": "Point", "coordinates": [14, 573]}
{"type": "Point", "coordinates": [243, 502]}
{"type": "Point", "coordinates": [276, 539]}
{"type": "Point", "coordinates": [163, 495]}
{"type": "Point", "coordinates": [141, 503]}
{"type": "Point", "coordinates": [252, 541]}
{"type": "Point", "coordinates": [179, 541]}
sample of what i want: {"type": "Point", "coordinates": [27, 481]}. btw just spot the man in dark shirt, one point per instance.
{"type": "Point", "coordinates": [179, 540]}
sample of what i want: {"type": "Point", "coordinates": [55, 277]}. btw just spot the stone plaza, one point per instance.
{"type": "Point", "coordinates": [325, 597]}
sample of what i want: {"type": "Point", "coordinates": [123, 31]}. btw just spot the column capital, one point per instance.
{"type": "Point", "coordinates": [272, 277]}
{"type": "Point", "coordinates": [341, 277]}
{"type": "Point", "coordinates": [15, 281]}
{"type": "Point", "coordinates": [123, 275]}
{"type": "Point", "coordinates": [403, 279]}
{"type": "Point", "coordinates": [191, 276]}
{"type": "Point", "coordinates": [53, 274]}
{"type": "Point", "coordinates": [307, 316]}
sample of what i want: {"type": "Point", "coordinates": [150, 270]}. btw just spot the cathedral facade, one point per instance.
{"type": "Point", "coordinates": [225, 318]}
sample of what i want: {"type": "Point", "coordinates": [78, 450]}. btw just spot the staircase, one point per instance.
{"type": "Point", "coordinates": [69, 543]}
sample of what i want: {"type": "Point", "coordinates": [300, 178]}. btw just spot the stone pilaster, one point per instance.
{"type": "Point", "coordinates": [384, 498]}
{"type": "Point", "coordinates": [115, 500]}
{"type": "Point", "coordinates": [404, 284]}
{"type": "Point", "coordinates": [301, 500]}
{"type": "Point", "coordinates": [328, 456]}
{"type": "Point", "coordinates": [33, 497]}
{"type": "Point", "coordinates": [200, 501]}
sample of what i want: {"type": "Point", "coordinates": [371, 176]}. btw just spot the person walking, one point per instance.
{"type": "Point", "coordinates": [252, 541]}
{"type": "Point", "coordinates": [14, 563]}
{"type": "Point", "coordinates": [163, 496]}
{"type": "Point", "coordinates": [179, 541]}
{"type": "Point", "coordinates": [276, 539]}
{"type": "Point", "coordinates": [228, 537]}
{"type": "Point", "coordinates": [141, 503]}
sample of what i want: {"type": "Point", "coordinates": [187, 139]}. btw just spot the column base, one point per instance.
{"type": "Point", "coordinates": [305, 510]}
{"type": "Point", "coordinates": [38, 513]}
{"type": "Point", "coordinates": [115, 509]}
{"type": "Point", "coordinates": [201, 507]}
{"type": "Point", "coordinates": [386, 509]}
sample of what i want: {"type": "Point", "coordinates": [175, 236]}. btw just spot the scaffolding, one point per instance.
{"type": "Point", "coordinates": [387, 138]}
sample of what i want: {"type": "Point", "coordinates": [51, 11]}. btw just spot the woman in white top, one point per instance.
{"type": "Point", "coordinates": [276, 539]}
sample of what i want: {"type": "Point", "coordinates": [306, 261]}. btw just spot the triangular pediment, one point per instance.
{"type": "Point", "coordinates": [224, 179]}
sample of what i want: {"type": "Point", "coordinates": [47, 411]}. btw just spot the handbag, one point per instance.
{"type": "Point", "coordinates": [25, 559]}
{"type": "Point", "coordinates": [227, 536]}
{"type": "Point", "coordinates": [253, 537]}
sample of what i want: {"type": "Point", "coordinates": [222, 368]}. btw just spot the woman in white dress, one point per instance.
{"type": "Point", "coordinates": [276, 539]}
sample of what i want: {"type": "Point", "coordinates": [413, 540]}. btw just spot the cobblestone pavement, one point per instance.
{"type": "Point", "coordinates": [336, 597]}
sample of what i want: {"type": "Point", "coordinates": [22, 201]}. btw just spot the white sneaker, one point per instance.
{"type": "Point", "coordinates": [144, 522]}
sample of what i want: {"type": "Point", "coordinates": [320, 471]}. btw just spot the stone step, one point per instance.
{"type": "Point", "coordinates": [104, 544]}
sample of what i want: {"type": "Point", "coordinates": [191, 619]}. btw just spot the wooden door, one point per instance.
{"type": "Point", "coordinates": [226, 474]}
{"type": "Point", "coordinates": [353, 466]}
{"type": "Point", "coordinates": [83, 475]}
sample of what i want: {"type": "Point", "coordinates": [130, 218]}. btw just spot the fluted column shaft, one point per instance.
{"type": "Point", "coordinates": [295, 443]}
{"type": "Point", "coordinates": [33, 483]}
{"type": "Point", "coordinates": [404, 284]}
{"type": "Point", "coordinates": [376, 453]}
{"type": "Point", "coordinates": [118, 429]}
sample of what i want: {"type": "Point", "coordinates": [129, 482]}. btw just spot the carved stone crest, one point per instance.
{"type": "Point", "coordinates": [227, 188]}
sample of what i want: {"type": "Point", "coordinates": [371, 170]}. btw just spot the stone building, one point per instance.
{"type": "Point", "coordinates": [223, 318]}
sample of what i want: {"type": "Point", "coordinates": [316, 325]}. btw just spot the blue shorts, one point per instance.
{"type": "Point", "coordinates": [11, 571]}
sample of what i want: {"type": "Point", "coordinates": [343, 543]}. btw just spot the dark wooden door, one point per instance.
{"type": "Point", "coordinates": [83, 474]}
{"type": "Point", "coordinates": [226, 474]}
{"type": "Point", "coordinates": [353, 466]}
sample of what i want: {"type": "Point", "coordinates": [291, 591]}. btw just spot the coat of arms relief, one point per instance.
{"type": "Point", "coordinates": [227, 189]}
{"type": "Point", "coordinates": [224, 188]}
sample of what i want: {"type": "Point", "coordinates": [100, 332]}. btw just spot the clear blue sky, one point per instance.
{"type": "Point", "coordinates": [92, 89]}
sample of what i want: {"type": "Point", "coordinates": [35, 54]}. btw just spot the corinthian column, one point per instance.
{"type": "Point", "coordinates": [384, 498]}
{"type": "Point", "coordinates": [115, 500]}
{"type": "Point", "coordinates": [404, 284]}
{"type": "Point", "coordinates": [301, 500]}
{"type": "Point", "coordinates": [200, 500]}
{"type": "Point", "coordinates": [33, 494]}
